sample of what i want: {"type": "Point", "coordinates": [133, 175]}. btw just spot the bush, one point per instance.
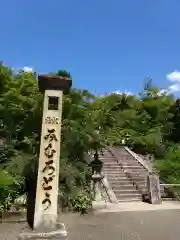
{"type": "Point", "coordinates": [82, 202]}
{"type": "Point", "coordinates": [169, 166]}
{"type": "Point", "coordinates": [5, 184]}
{"type": "Point", "coordinates": [9, 190]}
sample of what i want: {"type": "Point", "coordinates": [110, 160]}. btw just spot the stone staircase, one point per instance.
{"type": "Point", "coordinates": [127, 174]}
{"type": "Point", "coordinates": [121, 184]}
{"type": "Point", "coordinates": [133, 168]}
{"type": "Point", "coordinates": [137, 172]}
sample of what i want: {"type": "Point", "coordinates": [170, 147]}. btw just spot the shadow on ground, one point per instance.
{"type": "Point", "coordinates": [146, 225]}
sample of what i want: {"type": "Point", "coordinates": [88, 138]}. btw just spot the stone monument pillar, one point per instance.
{"type": "Point", "coordinates": [46, 201]}
{"type": "Point", "coordinates": [48, 171]}
{"type": "Point", "coordinates": [154, 188]}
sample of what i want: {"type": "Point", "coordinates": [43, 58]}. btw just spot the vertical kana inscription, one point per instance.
{"type": "Point", "coordinates": [49, 169]}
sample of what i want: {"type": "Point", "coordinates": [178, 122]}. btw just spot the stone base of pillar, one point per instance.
{"type": "Point", "coordinates": [59, 233]}
{"type": "Point", "coordinates": [97, 205]}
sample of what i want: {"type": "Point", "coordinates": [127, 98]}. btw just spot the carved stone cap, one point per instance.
{"type": "Point", "coordinates": [49, 82]}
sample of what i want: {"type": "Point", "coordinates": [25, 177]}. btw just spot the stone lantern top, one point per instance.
{"type": "Point", "coordinates": [50, 82]}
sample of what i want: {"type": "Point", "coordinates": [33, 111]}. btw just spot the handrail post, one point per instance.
{"type": "Point", "coordinates": [154, 188]}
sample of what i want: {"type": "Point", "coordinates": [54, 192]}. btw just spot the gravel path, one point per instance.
{"type": "Point", "coordinates": [146, 225]}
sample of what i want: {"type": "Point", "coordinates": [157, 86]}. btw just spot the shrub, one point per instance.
{"type": "Point", "coordinates": [82, 202]}
{"type": "Point", "coordinates": [169, 166]}
{"type": "Point", "coordinates": [9, 190]}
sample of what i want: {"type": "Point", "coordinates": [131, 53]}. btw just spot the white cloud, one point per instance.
{"type": "Point", "coordinates": [117, 92]}
{"type": "Point", "coordinates": [174, 76]}
{"type": "Point", "coordinates": [174, 88]}
{"type": "Point", "coordinates": [162, 91]}
{"type": "Point", "coordinates": [27, 69]}
{"type": "Point", "coordinates": [125, 92]}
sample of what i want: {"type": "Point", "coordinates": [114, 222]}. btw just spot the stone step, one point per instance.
{"type": "Point", "coordinates": [136, 172]}
{"type": "Point", "coordinates": [117, 181]}
{"type": "Point", "coordinates": [117, 173]}
{"type": "Point", "coordinates": [107, 157]}
{"type": "Point", "coordinates": [125, 191]}
{"type": "Point", "coordinates": [110, 163]}
{"type": "Point", "coordinates": [136, 176]}
{"type": "Point", "coordinates": [111, 166]}
{"type": "Point", "coordinates": [124, 186]}
{"type": "Point", "coordinates": [130, 200]}
{"type": "Point", "coordinates": [117, 168]}
{"type": "Point", "coordinates": [125, 176]}
{"type": "Point", "coordinates": [134, 167]}
{"type": "Point", "coordinates": [128, 196]}
{"type": "Point", "coordinates": [126, 182]}
{"type": "Point", "coordinates": [120, 183]}
{"type": "Point", "coordinates": [116, 176]}
{"type": "Point", "coordinates": [130, 162]}
{"type": "Point", "coordinates": [114, 171]}
{"type": "Point", "coordinates": [121, 175]}
{"type": "Point", "coordinates": [121, 186]}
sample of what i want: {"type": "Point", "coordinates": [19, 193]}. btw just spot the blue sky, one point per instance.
{"type": "Point", "coordinates": [106, 45]}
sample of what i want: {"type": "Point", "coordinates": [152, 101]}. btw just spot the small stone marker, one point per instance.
{"type": "Point", "coordinates": [45, 224]}
{"type": "Point", "coordinates": [154, 189]}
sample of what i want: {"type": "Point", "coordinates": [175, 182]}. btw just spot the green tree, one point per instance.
{"type": "Point", "coordinates": [21, 111]}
